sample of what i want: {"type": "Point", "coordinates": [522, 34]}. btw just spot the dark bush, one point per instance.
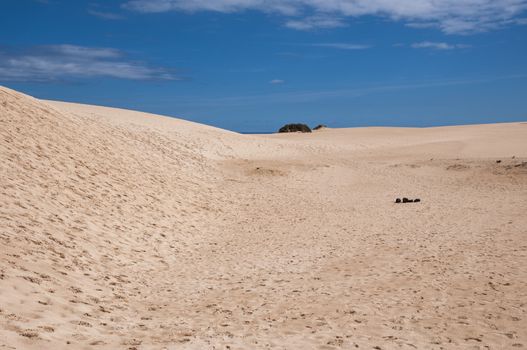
{"type": "Point", "coordinates": [295, 128]}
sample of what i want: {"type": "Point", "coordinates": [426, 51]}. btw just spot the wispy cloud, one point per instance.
{"type": "Point", "coordinates": [105, 15]}
{"type": "Point", "coordinates": [438, 45]}
{"type": "Point", "coordinates": [317, 95]}
{"type": "Point", "coordinates": [342, 46]}
{"type": "Point", "coordinates": [277, 81]}
{"type": "Point", "coordinates": [74, 51]}
{"type": "Point", "coordinates": [59, 62]}
{"type": "Point", "coordinates": [451, 16]}
{"type": "Point", "coordinates": [315, 22]}
{"type": "Point", "coordinates": [226, 6]}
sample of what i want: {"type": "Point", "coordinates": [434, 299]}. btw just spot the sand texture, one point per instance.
{"type": "Point", "coordinates": [126, 230]}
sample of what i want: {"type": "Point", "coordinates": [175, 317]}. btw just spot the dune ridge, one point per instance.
{"type": "Point", "coordinates": [123, 229]}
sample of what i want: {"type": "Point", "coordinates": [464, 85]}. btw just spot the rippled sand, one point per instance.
{"type": "Point", "coordinates": [125, 230]}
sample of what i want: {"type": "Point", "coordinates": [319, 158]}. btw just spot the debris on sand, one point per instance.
{"type": "Point", "coordinates": [407, 200]}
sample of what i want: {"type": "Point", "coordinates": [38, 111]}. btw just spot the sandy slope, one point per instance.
{"type": "Point", "coordinates": [121, 229]}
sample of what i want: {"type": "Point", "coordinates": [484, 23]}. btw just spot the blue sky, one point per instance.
{"type": "Point", "coordinates": [253, 65]}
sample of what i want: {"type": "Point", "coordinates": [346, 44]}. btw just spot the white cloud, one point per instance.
{"type": "Point", "coordinates": [277, 81]}
{"type": "Point", "coordinates": [56, 62]}
{"type": "Point", "coordinates": [342, 46]}
{"type": "Point", "coordinates": [438, 45]}
{"type": "Point", "coordinates": [451, 16]}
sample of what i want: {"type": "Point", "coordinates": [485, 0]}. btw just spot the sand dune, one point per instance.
{"type": "Point", "coordinates": [126, 230]}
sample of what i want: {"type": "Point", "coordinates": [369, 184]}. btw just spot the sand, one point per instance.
{"type": "Point", "coordinates": [126, 230]}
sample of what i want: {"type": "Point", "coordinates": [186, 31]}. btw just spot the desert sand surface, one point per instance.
{"type": "Point", "coordinates": [126, 230]}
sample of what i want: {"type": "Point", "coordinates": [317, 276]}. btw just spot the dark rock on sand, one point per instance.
{"type": "Point", "coordinates": [320, 126]}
